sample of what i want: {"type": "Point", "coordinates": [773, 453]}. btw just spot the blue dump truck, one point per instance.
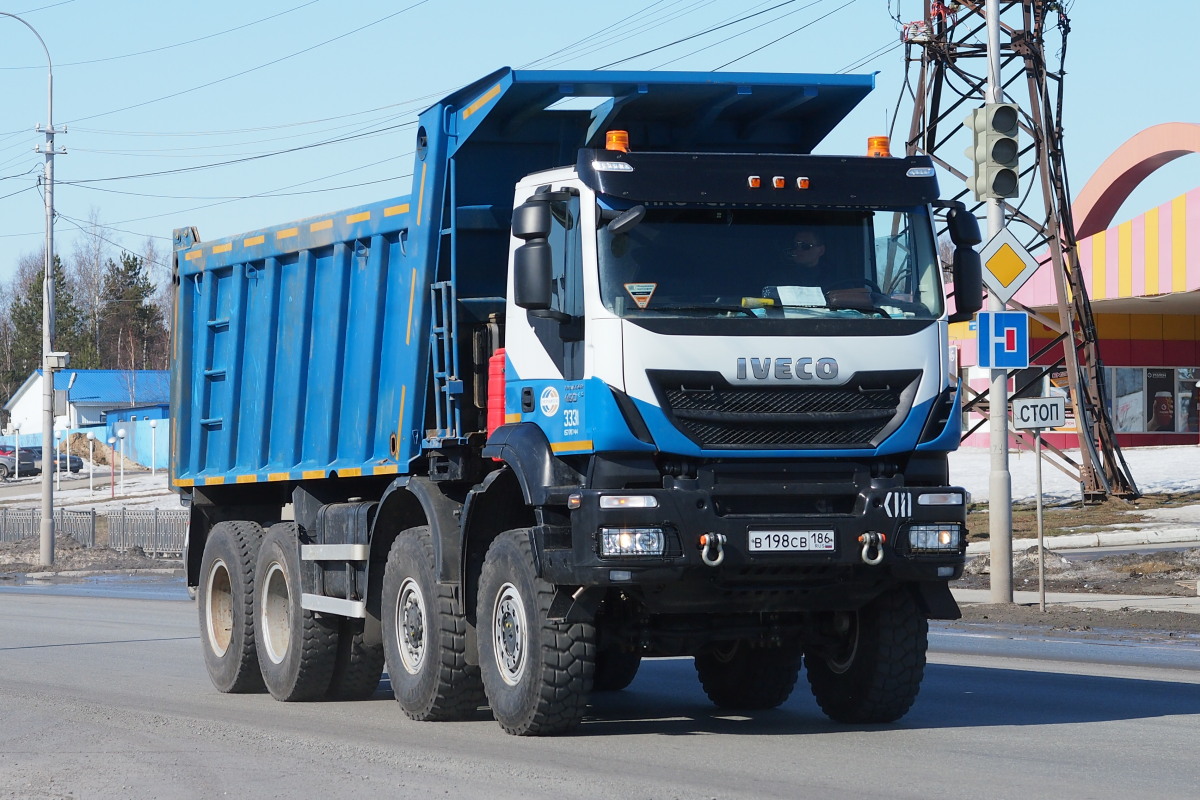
{"type": "Point", "coordinates": [630, 374]}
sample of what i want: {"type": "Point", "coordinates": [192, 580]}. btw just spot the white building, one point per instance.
{"type": "Point", "coordinates": [85, 396]}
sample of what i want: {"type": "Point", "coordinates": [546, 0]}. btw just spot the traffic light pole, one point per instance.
{"type": "Point", "coordinates": [1000, 479]}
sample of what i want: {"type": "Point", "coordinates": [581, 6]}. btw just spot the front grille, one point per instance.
{"type": "Point", "coordinates": [715, 414]}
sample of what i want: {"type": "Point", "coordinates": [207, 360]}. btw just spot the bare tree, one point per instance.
{"type": "Point", "coordinates": [87, 269]}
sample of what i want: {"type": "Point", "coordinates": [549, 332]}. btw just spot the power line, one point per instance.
{"type": "Point", "coordinates": [786, 35]}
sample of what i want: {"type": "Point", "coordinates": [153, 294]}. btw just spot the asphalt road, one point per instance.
{"type": "Point", "coordinates": [107, 697]}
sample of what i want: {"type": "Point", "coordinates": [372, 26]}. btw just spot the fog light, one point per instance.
{"type": "Point", "coordinates": [631, 541]}
{"type": "Point", "coordinates": [616, 575]}
{"type": "Point", "coordinates": [940, 499]}
{"type": "Point", "coordinates": [934, 538]}
{"type": "Point", "coordinates": [628, 501]}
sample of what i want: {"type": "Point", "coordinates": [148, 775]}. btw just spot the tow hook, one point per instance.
{"type": "Point", "coordinates": [709, 542]}
{"type": "Point", "coordinates": [872, 541]}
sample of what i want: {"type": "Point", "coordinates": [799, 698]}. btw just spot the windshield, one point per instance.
{"type": "Point", "coordinates": [781, 263]}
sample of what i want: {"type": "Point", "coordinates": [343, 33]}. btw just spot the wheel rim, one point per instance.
{"type": "Point", "coordinates": [410, 626]}
{"type": "Point", "coordinates": [275, 626]}
{"type": "Point", "coordinates": [510, 633]}
{"type": "Point", "coordinates": [218, 590]}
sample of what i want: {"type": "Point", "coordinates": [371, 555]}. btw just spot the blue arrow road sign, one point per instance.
{"type": "Point", "coordinates": [1003, 339]}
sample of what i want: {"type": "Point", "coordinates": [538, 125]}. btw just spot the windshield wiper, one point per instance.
{"type": "Point", "coordinates": [720, 308]}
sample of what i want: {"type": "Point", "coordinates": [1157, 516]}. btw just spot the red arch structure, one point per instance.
{"type": "Point", "coordinates": [1097, 204]}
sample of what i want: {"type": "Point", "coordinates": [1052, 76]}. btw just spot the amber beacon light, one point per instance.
{"type": "Point", "coordinates": [617, 140]}
{"type": "Point", "coordinates": [879, 147]}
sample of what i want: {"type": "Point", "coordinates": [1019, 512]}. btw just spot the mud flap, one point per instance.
{"type": "Point", "coordinates": [937, 601]}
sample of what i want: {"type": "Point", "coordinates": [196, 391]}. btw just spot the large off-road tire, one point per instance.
{"type": "Point", "coordinates": [359, 663]}
{"type": "Point", "coordinates": [874, 674]}
{"type": "Point", "coordinates": [425, 636]}
{"type": "Point", "coordinates": [297, 648]}
{"type": "Point", "coordinates": [739, 676]}
{"type": "Point", "coordinates": [537, 673]}
{"type": "Point", "coordinates": [226, 605]}
{"type": "Point", "coordinates": [615, 670]}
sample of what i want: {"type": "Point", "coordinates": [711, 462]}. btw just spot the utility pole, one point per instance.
{"type": "Point", "coordinates": [51, 361]}
{"type": "Point", "coordinates": [1000, 479]}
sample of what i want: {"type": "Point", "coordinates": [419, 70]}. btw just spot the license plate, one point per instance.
{"type": "Point", "coordinates": [790, 541]}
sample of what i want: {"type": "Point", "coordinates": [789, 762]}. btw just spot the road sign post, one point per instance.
{"type": "Point", "coordinates": [1036, 413]}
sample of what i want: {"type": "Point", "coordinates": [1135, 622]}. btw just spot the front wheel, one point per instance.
{"type": "Point", "coordinates": [425, 635]}
{"type": "Point", "coordinates": [873, 672]}
{"type": "Point", "coordinates": [537, 673]}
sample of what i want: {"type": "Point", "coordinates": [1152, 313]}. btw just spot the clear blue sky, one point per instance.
{"type": "Point", "coordinates": [152, 87]}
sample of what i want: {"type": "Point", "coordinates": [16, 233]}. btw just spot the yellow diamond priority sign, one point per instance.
{"type": "Point", "coordinates": [1006, 265]}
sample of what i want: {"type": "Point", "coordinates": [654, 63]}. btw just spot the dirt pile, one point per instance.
{"type": "Point", "coordinates": [24, 556]}
{"type": "Point", "coordinates": [1166, 572]}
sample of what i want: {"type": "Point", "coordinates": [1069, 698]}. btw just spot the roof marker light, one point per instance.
{"type": "Point", "coordinates": [802, 182]}
{"type": "Point", "coordinates": [754, 181]}
{"type": "Point", "coordinates": [919, 172]}
{"type": "Point", "coordinates": [879, 147]}
{"type": "Point", "coordinates": [617, 140]}
{"type": "Point", "coordinates": [779, 182]}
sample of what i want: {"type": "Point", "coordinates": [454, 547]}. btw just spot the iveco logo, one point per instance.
{"type": "Point", "coordinates": [786, 369]}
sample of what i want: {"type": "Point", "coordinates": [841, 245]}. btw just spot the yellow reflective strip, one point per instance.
{"type": "Point", "coordinates": [412, 293]}
{"type": "Point", "coordinates": [323, 225]}
{"type": "Point", "coordinates": [223, 248]}
{"type": "Point", "coordinates": [193, 255]}
{"type": "Point", "coordinates": [1179, 244]}
{"type": "Point", "coordinates": [390, 469]}
{"type": "Point", "coordinates": [279, 476]}
{"type": "Point", "coordinates": [287, 234]}
{"type": "Point", "coordinates": [1151, 251]}
{"type": "Point", "coordinates": [512, 417]}
{"type": "Point", "coordinates": [253, 240]}
{"type": "Point", "coordinates": [392, 211]}
{"type": "Point", "coordinates": [567, 447]}
{"type": "Point", "coordinates": [482, 101]}
{"type": "Point", "coordinates": [350, 472]}
{"type": "Point", "coordinates": [214, 481]}
{"type": "Point", "coordinates": [312, 473]}
{"type": "Point", "coordinates": [421, 194]}
{"type": "Point", "coordinates": [361, 216]}
{"type": "Point", "coordinates": [184, 482]}
{"type": "Point", "coordinates": [246, 479]}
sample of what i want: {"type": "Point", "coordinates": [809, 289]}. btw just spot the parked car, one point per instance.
{"type": "Point", "coordinates": [8, 462]}
{"type": "Point", "coordinates": [64, 461]}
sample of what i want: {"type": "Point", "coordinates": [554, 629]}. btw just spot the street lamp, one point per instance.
{"type": "Point", "coordinates": [49, 363]}
{"type": "Point", "coordinates": [121, 436]}
{"type": "Point", "coordinates": [112, 466]}
{"type": "Point", "coordinates": [153, 444]}
{"type": "Point", "coordinates": [91, 460]}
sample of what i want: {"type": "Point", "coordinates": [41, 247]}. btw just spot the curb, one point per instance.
{"type": "Point", "coordinates": [1076, 541]}
{"type": "Point", "coordinates": [87, 573]}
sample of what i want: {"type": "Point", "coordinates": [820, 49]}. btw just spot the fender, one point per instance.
{"type": "Point", "coordinates": [545, 479]}
{"type": "Point", "coordinates": [440, 503]}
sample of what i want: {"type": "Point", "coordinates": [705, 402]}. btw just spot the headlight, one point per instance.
{"type": "Point", "coordinates": [934, 538]}
{"type": "Point", "coordinates": [631, 542]}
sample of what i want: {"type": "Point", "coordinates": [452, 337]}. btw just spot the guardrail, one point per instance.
{"type": "Point", "coordinates": [159, 532]}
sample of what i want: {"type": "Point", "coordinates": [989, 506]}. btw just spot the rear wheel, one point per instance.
{"type": "Point", "coordinates": [359, 663]}
{"type": "Point", "coordinates": [753, 678]}
{"type": "Point", "coordinates": [424, 636]}
{"type": "Point", "coordinates": [537, 672]}
{"type": "Point", "coordinates": [874, 671]}
{"type": "Point", "coordinates": [297, 648]}
{"type": "Point", "coordinates": [3, 472]}
{"type": "Point", "coordinates": [226, 605]}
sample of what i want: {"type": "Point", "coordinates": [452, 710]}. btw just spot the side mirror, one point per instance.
{"type": "Point", "coordinates": [531, 220]}
{"type": "Point", "coordinates": [533, 273]}
{"type": "Point", "coordinates": [962, 227]}
{"type": "Point", "coordinates": [968, 284]}
{"type": "Point", "coordinates": [627, 220]}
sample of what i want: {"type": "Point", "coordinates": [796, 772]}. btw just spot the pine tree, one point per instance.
{"type": "Point", "coordinates": [132, 335]}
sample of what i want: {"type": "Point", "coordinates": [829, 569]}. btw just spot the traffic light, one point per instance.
{"type": "Point", "coordinates": [993, 151]}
